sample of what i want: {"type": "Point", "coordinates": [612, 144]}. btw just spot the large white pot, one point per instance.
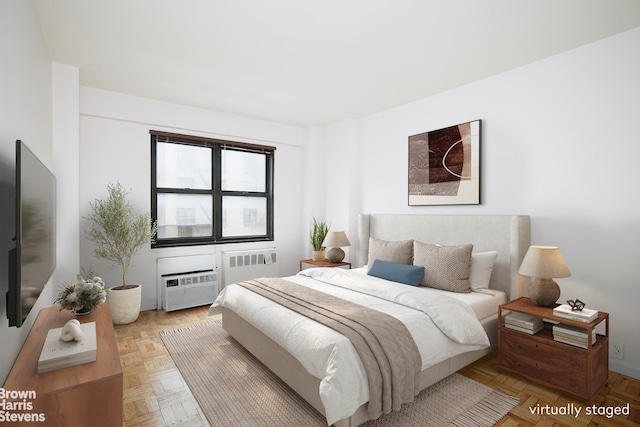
{"type": "Point", "coordinates": [124, 304]}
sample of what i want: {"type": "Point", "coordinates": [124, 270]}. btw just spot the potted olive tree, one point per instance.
{"type": "Point", "coordinates": [316, 237]}
{"type": "Point", "coordinates": [118, 232]}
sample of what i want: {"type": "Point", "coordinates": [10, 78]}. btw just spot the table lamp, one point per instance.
{"type": "Point", "coordinates": [542, 264]}
{"type": "Point", "coordinates": [334, 240]}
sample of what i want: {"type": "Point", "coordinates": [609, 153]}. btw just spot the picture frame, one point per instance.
{"type": "Point", "coordinates": [444, 166]}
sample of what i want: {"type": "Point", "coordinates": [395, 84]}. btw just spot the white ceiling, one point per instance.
{"type": "Point", "coordinates": [313, 61]}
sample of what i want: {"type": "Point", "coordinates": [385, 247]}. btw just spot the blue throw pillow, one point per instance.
{"type": "Point", "coordinates": [401, 273]}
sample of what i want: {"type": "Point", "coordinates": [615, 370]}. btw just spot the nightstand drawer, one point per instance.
{"type": "Point", "coordinates": [544, 361]}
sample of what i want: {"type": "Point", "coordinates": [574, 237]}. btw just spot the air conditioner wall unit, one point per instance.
{"type": "Point", "coordinates": [189, 289]}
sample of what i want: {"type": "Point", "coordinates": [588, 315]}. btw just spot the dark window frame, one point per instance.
{"type": "Point", "coordinates": [217, 146]}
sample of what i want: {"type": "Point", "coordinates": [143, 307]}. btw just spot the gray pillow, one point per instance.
{"type": "Point", "coordinates": [400, 251]}
{"type": "Point", "coordinates": [445, 267]}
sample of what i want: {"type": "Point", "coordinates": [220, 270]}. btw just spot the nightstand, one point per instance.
{"type": "Point", "coordinates": [324, 263]}
{"type": "Point", "coordinates": [576, 371]}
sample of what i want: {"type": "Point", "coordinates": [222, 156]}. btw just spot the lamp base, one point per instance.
{"type": "Point", "coordinates": [335, 255]}
{"type": "Point", "coordinates": [543, 292]}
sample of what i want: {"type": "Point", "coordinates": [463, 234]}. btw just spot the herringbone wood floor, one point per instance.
{"type": "Point", "coordinates": [155, 394]}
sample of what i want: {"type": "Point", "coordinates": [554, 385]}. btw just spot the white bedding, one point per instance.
{"type": "Point", "coordinates": [330, 356]}
{"type": "Point", "coordinates": [483, 302]}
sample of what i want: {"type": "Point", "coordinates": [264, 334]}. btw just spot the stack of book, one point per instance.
{"type": "Point", "coordinates": [585, 316]}
{"type": "Point", "coordinates": [573, 335]}
{"type": "Point", "coordinates": [523, 322]}
{"type": "Point", "coordinates": [58, 354]}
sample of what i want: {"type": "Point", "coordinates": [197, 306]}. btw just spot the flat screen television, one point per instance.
{"type": "Point", "coordinates": [33, 260]}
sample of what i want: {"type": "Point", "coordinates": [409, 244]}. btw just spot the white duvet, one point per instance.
{"type": "Point", "coordinates": [441, 326]}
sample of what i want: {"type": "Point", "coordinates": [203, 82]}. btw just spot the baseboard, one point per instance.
{"type": "Point", "coordinates": [623, 368]}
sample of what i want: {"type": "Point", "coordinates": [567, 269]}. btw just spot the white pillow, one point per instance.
{"type": "Point", "coordinates": [481, 269]}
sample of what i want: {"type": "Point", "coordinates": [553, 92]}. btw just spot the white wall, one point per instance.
{"type": "Point", "coordinates": [343, 197]}
{"type": "Point", "coordinates": [115, 146]}
{"type": "Point", "coordinates": [66, 143]}
{"type": "Point", "coordinates": [313, 183]}
{"type": "Point", "coordinates": [25, 113]}
{"type": "Point", "coordinates": [560, 142]}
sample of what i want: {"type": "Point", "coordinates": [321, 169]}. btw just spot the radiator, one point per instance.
{"type": "Point", "coordinates": [189, 289]}
{"type": "Point", "coordinates": [249, 264]}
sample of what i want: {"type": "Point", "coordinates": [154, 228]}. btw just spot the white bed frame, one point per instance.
{"type": "Point", "coordinates": [507, 234]}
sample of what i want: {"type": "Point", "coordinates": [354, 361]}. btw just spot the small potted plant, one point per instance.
{"type": "Point", "coordinates": [83, 295]}
{"type": "Point", "coordinates": [118, 232]}
{"type": "Point", "coordinates": [316, 237]}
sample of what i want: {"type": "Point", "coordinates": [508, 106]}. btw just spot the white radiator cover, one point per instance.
{"type": "Point", "coordinates": [249, 264]}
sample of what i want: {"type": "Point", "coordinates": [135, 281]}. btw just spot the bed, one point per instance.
{"type": "Point", "coordinates": [293, 347]}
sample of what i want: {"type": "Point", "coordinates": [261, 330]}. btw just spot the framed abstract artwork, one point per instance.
{"type": "Point", "coordinates": [444, 166]}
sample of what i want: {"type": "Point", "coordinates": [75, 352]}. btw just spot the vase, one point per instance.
{"type": "Point", "coordinates": [124, 303]}
{"type": "Point", "coordinates": [83, 312]}
{"type": "Point", "coordinates": [318, 256]}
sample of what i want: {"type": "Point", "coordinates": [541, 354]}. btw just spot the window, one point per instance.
{"type": "Point", "coordinates": [206, 191]}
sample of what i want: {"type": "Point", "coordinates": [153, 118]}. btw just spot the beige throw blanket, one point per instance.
{"type": "Point", "coordinates": [387, 350]}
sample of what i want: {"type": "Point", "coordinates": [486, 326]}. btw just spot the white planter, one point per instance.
{"type": "Point", "coordinates": [124, 304]}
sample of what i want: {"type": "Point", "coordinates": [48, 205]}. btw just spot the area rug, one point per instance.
{"type": "Point", "coordinates": [234, 389]}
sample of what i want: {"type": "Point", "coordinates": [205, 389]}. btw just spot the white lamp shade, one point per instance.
{"type": "Point", "coordinates": [544, 262]}
{"type": "Point", "coordinates": [335, 239]}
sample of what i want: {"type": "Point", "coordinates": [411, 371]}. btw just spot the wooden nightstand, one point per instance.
{"type": "Point", "coordinates": [578, 372]}
{"type": "Point", "coordinates": [324, 263]}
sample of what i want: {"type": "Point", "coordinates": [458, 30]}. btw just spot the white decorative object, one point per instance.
{"type": "Point", "coordinates": [71, 331]}
{"type": "Point", "coordinates": [57, 353]}
{"type": "Point", "coordinates": [585, 316]}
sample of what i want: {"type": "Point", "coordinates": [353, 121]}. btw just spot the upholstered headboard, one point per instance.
{"type": "Point", "coordinates": [510, 235]}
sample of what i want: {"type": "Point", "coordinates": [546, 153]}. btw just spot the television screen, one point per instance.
{"type": "Point", "coordinates": [34, 258]}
